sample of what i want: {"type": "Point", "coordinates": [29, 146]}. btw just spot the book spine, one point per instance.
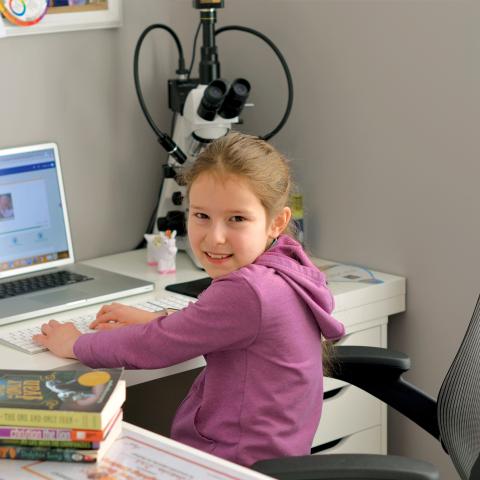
{"type": "Point", "coordinates": [51, 443]}
{"type": "Point", "coordinates": [55, 419]}
{"type": "Point", "coordinates": [53, 434]}
{"type": "Point", "coordinates": [45, 453]}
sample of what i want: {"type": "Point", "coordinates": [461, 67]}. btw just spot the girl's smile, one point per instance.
{"type": "Point", "coordinates": [216, 257]}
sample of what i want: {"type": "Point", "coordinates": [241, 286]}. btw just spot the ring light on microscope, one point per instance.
{"type": "Point", "coordinates": [22, 12]}
{"type": "Point", "coordinates": [202, 136]}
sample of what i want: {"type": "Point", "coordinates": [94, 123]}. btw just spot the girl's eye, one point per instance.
{"type": "Point", "coordinates": [200, 215]}
{"type": "Point", "coordinates": [237, 218]}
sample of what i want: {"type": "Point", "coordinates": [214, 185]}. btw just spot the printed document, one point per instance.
{"type": "Point", "coordinates": [136, 454]}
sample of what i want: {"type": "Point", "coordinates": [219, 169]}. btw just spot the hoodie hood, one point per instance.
{"type": "Point", "coordinates": [287, 257]}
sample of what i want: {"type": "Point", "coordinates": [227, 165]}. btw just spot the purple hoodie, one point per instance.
{"type": "Point", "coordinates": [259, 328]}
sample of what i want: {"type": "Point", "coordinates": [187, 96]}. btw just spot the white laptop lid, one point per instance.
{"type": "Point", "coordinates": [34, 228]}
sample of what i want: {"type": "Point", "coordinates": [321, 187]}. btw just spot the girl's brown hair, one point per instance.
{"type": "Point", "coordinates": [264, 168]}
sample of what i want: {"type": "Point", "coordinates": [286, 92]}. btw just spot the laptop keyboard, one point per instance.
{"type": "Point", "coordinates": [40, 282]}
{"type": "Point", "coordinates": [21, 339]}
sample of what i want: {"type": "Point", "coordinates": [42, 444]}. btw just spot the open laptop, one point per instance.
{"type": "Point", "coordinates": [38, 275]}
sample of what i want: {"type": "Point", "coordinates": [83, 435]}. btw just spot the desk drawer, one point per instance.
{"type": "Point", "coordinates": [370, 337]}
{"type": "Point", "coordinates": [366, 441]}
{"type": "Point", "coordinates": [349, 411]}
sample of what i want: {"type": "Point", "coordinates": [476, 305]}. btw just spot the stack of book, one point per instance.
{"type": "Point", "coordinates": [68, 416]}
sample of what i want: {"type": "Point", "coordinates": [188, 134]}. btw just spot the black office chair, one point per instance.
{"type": "Point", "coordinates": [453, 419]}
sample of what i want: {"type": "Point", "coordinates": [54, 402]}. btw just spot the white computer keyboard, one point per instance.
{"type": "Point", "coordinates": [21, 339]}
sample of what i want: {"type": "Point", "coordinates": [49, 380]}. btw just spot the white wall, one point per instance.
{"type": "Point", "coordinates": [383, 136]}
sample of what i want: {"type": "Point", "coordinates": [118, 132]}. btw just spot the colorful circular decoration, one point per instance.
{"type": "Point", "coordinates": [23, 12]}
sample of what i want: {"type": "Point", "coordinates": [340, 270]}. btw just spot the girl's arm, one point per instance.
{"type": "Point", "coordinates": [226, 316]}
{"type": "Point", "coordinates": [59, 338]}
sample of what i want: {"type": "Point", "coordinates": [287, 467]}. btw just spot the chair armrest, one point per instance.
{"type": "Point", "coordinates": [379, 371]}
{"type": "Point", "coordinates": [347, 467]}
{"type": "Point", "coordinates": [373, 356]}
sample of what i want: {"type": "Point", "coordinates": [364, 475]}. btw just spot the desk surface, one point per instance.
{"type": "Point", "coordinates": [351, 299]}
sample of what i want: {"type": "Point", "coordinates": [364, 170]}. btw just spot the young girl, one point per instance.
{"type": "Point", "coordinates": [259, 325]}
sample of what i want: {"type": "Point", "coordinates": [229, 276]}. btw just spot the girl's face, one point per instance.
{"type": "Point", "coordinates": [228, 227]}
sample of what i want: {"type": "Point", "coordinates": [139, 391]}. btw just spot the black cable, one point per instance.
{"type": "Point", "coordinates": [181, 67]}
{"type": "Point", "coordinates": [158, 132]}
{"type": "Point", "coordinates": [151, 221]}
{"type": "Point", "coordinates": [194, 49]}
{"type": "Point", "coordinates": [285, 69]}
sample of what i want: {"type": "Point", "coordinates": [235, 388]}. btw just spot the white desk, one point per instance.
{"type": "Point", "coordinates": [139, 454]}
{"type": "Point", "coordinates": [351, 415]}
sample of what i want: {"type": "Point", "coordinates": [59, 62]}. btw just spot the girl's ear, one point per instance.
{"type": "Point", "coordinates": [280, 222]}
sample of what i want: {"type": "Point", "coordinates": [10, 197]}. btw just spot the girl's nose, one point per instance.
{"type": "Point", "coordinates": [217, 234]}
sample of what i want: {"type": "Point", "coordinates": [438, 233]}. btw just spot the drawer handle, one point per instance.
{"type": "Point", "coordinates": [326, 446]}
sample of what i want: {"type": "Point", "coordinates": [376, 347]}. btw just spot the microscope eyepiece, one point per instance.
{"type": "Point", "coordinates": [235, 99]}
{"type": "Point", "coordinates": [212, 99]}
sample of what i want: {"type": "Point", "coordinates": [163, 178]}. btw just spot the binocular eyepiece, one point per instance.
{"type": "Point", "coordinates": [212, 99]}
{"type": "Point", "coordinates": [227, 102]}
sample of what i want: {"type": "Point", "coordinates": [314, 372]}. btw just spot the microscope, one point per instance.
{"type": "Point", "coordinates": [204, 108]}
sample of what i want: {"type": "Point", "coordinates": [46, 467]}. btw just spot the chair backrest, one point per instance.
{"type": "Point", "coordinates": [459, 403]}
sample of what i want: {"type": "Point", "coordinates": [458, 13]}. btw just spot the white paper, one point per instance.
{"type": "Point", "coordinates": [349, 273]}
{"type": "Point", "coordinates": [136, 454]}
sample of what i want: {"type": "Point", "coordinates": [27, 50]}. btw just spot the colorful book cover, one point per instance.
{"type": "Point", "coordinates": [50, 434]}
{"type": "Point", "coordinates": [60, 398]}
{"type": "Point", "coordinates": [47, 454]}
{"type": "Point", "coordinates": [50, 443]}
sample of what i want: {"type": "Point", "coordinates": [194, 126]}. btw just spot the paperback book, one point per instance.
{"type": "Point", "coordinates": [61, 399]}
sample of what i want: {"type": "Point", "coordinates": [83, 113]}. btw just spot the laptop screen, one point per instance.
{"type": "Point", "coordinates": [34, 231]}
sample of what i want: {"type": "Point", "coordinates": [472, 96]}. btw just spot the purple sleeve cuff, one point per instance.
{"type": "Point", "coordinates": [82, 350]}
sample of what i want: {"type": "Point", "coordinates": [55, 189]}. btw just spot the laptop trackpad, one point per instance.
{"type": "Point", "coordinates": [59, 297]}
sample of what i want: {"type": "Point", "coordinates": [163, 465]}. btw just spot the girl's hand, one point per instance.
{"type": "Point", "coordinates": [117, 315]}
{"type": "Point", "coordinates": [59, 338]}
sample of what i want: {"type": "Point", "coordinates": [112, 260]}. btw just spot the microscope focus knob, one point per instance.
{"type": "Point", "coordinates": [177, 198]}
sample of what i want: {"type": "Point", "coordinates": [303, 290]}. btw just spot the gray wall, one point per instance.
{"type": "Point", "coordinates": [382, 137]}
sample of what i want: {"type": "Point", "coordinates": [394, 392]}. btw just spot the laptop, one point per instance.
{"type": "Point", "coordinates": [38, 274]}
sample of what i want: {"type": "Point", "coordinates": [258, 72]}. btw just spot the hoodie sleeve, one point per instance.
{"type": "Point", "coordinates": [226, 316]}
